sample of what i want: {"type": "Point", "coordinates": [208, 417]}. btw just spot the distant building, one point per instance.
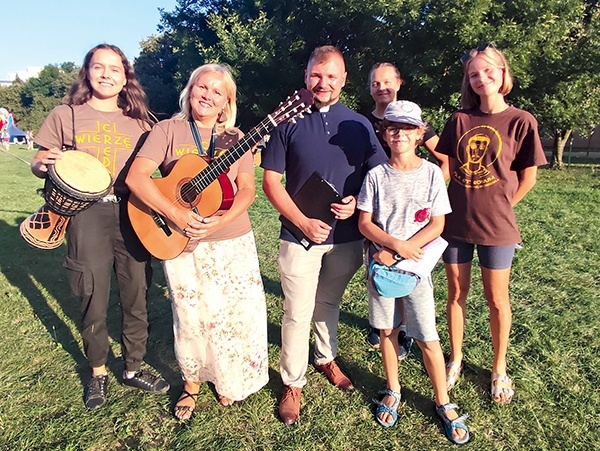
{"type": "Point", "coordinates": [23, 75]}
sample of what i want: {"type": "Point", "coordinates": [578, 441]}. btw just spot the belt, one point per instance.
{"type": "Point", "coordinates": [111, 198]}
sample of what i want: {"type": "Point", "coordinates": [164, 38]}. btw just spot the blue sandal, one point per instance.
{"type": "Point", "coordinates": [450, 425]}
{"type": "Point", "coordinates": [384, 408]}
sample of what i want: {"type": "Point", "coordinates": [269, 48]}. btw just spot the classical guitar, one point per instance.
{"type": "Point", "coordinates": [197, 185]}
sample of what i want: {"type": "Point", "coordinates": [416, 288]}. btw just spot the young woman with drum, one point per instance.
{"type": "Point", "coordinates": [105, 115]}
{"type": "Point", "coordinates": [494, 151]}
{"type": "Point", "coordinates": [219, 309]}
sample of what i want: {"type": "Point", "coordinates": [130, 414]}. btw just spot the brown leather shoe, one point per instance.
{"type": "Point", "coordinates": [289, 406]}
{"type": "Point", "coordinates": [335, 375]}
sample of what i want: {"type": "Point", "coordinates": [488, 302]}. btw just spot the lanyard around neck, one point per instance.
{"type": "Point", "coordinates": [198, 140]}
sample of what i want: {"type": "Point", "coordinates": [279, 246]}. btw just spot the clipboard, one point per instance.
{"type": "Point", "coordinates": [314, 199]}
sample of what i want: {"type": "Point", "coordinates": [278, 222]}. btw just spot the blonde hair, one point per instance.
{"type": "Point", "coordinates": [324, 53]}
{"type": "Point", "coordinates": [492, 56]}
{"type": "Point", "coordinates": [227, 118]}
{"type": "Point", "coordinates": [385, 64]}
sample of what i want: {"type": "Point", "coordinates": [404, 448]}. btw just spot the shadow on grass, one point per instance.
{"type": "Point", "coordinates": [39, 276]}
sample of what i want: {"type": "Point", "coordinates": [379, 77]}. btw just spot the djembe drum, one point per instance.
{"type": "Point", "coordinates": [74, 183]}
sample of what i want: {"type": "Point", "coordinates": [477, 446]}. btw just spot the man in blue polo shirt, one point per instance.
{"type": "Point", "coordinates": [341, 145]}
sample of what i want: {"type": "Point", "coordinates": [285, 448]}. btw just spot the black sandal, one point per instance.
{"type": "Point", "coordinates": [181, 412]}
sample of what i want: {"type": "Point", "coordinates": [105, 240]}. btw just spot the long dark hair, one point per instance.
{"type": "Point", "coordinates": [132, 98]}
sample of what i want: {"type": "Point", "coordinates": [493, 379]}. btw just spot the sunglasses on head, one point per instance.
{"type": "Point", "coordinates": [481, 48]}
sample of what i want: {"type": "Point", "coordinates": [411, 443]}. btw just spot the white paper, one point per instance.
{"type": "Point", "coordinates": [432, 253]}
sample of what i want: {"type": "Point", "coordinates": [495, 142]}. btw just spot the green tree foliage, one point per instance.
{"type": "Point", "coordinates": [31, 101]}
{"type": "Point", "coordinates": [553, 47]}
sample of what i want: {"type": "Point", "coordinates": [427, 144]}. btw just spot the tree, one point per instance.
{"type": "Point", "coordinates": [553, 47]}
{"type": "Point", "coordinates": [32, 100]}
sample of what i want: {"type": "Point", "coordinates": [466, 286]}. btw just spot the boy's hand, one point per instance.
{"type": "Point", "coordinates": [385, 256]}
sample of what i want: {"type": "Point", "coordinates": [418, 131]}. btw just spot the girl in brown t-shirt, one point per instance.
{"type": "Point", "coordinates": [104, 114]}
{"type": "Point", "coordinates": [494, 151]}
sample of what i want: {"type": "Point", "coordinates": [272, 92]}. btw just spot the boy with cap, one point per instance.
{"type": "Point", "coordinates": [402, 206]}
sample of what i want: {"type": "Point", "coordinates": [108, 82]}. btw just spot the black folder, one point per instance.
{"type": "Point", "coordinates": [314, 199]}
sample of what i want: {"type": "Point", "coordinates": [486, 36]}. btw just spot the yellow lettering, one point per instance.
{"type": "Point", "coordinates": [96, 139]}
{"type": "Point", "coordinates": [127, 142]}
{"type": "Point", "coordinates": [107, 140]}
{"type": "Point", "coordinates": [106, 128]}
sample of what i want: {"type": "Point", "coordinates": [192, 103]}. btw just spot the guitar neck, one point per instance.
{"type": "Point", "coordinates": [222, 163]}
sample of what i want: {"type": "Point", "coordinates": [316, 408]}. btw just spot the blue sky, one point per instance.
{"type": "Point", "coordinates": [41, 32]}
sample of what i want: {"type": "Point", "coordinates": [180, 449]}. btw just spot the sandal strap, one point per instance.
{"type": "Point", "coordinates": [394, 394]}
{"type": "Point", "coordinates": [446, 407]}
{"type": "Point", "coordinates": [502, 378]}
{"type": "Point", "coordinates": [453, 371]}
{"type": "Point", "coordinates": [451, 425]}
{"type": "Point", "coordinates": [186, 394]}
{"type": "Point", "coordinates": [384, 408]}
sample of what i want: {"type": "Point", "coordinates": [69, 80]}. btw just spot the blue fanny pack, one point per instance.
{"type": "Point", "coordinates": [392, 282]}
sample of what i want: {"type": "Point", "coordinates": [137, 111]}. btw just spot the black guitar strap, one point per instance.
{"type": "Point", "coordinates": [198, 140]}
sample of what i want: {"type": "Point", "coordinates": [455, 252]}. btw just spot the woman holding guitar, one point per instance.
{"type": "Point", "coordinates": [105, 114]}
{"type": "Point", "coordinates": [219, 309]}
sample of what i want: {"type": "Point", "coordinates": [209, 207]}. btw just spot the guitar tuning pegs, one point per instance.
{"type": "Point", "coordinates": [292, 120]}
{"type": "Point", "coordinates": [300, 116]}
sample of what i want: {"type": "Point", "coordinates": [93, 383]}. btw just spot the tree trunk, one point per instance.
{"type": "Point", "coordinates": [561, 137]}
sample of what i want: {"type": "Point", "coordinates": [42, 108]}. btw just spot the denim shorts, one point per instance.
{"type": "Point", "coordinates": [490, 257]}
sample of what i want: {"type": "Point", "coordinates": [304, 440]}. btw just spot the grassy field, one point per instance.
{"type": "Point", "coordinates": [554, 355]}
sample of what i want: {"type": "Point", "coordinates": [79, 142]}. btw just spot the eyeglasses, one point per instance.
{"type": "Point", "coordinates": [481, 48]}
{"type": "Point", "coordinates": [395, 131]}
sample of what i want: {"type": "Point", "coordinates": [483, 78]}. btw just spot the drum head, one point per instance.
{"type": "Point", "coordinates": [82, 172]}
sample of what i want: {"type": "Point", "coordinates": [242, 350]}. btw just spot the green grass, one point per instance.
{"type": "Point", "coordinates": [553, 355]}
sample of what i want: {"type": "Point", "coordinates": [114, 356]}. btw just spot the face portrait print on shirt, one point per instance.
{"type": "Point", "coordinates": [477, 150]}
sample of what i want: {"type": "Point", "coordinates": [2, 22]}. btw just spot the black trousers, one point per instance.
{"type": "Point", "coordinates": [100, 240]}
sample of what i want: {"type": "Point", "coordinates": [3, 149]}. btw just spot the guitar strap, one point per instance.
{"type": "Point", "coordinates": [198, 140]}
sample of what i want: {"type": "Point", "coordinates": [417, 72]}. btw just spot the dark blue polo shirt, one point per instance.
{"type": "Point", "coordinates": [340, 144]}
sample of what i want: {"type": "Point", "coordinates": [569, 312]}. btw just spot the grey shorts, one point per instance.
{"type": "Point", "coordinates": [490, 257]}
{"type": "Point", "coordinates": [419, 311]}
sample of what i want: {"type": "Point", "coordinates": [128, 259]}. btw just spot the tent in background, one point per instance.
{"type": "Point", "coordinates": [16, 134]}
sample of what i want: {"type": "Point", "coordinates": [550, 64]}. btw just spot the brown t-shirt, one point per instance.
{"type": "Point", "coordinates": [172, 138]}
{"type": "Point", "coordinates": [111, 137]}
{"type": "Point", "coordinates": [487, 151]}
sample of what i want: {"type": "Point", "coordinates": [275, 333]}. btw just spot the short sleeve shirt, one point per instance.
{"type": "Point", "coordinates": [486, 152]}
{"type": "Point", "coordinates": [403, 202]}
{"type": "Point", "coordinates": [339, 144]}
{"type": "Point", "coordinates": [170, 139]}
{"type": "Point", "coordinates": [110, 137]}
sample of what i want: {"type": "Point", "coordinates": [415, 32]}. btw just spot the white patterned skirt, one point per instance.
{"type": "Point", "coordinates": [220, 316]}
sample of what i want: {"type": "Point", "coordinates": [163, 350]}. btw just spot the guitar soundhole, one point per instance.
{"type": "Point", "coordinates": [188, 193]}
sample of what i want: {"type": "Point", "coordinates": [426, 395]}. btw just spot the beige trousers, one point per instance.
{"type": "Point", "coordinates": [313, 283]}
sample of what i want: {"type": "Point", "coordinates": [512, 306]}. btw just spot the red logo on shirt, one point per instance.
{"type": "Point", "coordinates": [422, 215]}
